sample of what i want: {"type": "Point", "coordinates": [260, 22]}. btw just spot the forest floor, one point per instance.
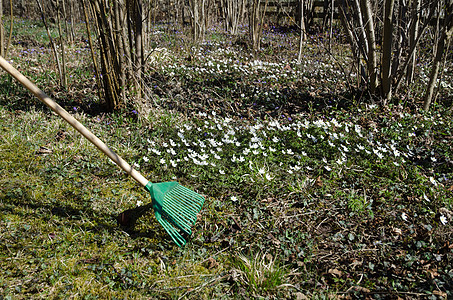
{"type": "Point", "coordinates": [312, 191]}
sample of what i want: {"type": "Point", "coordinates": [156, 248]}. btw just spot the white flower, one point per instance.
{"type": "Point", "coordinates": [345, 149]}
{"type": "Point", "coordinates": [433, 181]}
{"type": "Point", "coordinates": [261, 171]}
{"type": "Point", "coordinates": [433, 159]}
{"type": "Point", "coordinates": [328, 168]}
{"type": "Point", "coordinates": [139, 203]}
{"type": "Point", "coordinates": [222, 172]}
{"type": "Point", "coordinates": [255, 139]}
{"type": "Point", "coordinates": [289, 151]}
{"type": "Point", "coordinates": [145, 159]}
{"type": "Point", "coordinates": [136, 165]}
{"type": "Point", "coordinates": [234, 198]}
{"type": "Point", "coordinates": [268, 176]}
{"type": "Point", "coordinates": [404, 216]}
{"type": "Point", "coordinates": [426, 198]}
{"type": "Point", "coordinates": [443, 220]}
{"type": "Point", "coordinates": [275, 139]}
{"type": "Point", "coordinates": [379, 154]}
{"type": "Point", "coordinates": [162, 161]}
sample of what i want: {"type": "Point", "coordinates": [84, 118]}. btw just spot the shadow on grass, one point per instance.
{"type": "Point", "coordinates": [16, 97]}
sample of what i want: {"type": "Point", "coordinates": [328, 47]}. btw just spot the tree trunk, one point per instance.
{"type": "Point", "coordinates": [8, 43]}
{"type": "Point", "coordinates": [65, 20]}
{"type": "Point", "coordinates": [256, 19]}
{"type": "Point", "coordinates": [2, 33]}
{"type": "Point", "coordinates": [412, 37]}
{"type": "Point", "coordinates": [302, 30]}
{"type": "Point", "coordinates": [332, 11]}
{"type": "Point", "coordinates": [444, 39]}
{"type": "Point", "coordinates": [119, 41]}
{"type": "Point", "coordinates": [138, 46]}
{"type": "Point", "coordinates": [52, 43]}
{"type": "Point", "coordinates": [371, 38]}
{"type": "Point", "coordinates": [63, 56]}
{"type": "Point", "coordinates": [387, 50]}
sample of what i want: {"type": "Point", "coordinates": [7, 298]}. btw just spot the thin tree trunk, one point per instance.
{"type": "Point", "coordinates": [52, 43]}
{"type": "Point", "coordinates": [412, 50]}
{"type": "Point", "coordinates": [332, 10]}
{"type": "Point", "coordinates": [71, 21]}
{"type": "Point", "coordinates": [124, 35]}
{"type": "Point", "coordinates": [63, 56]}
{"type": "Point", "coordinates": [302, 30]}
{"type": "Point", "coordinates": [107, 56]}
{"type": "Point", "coordinates": [400, 25]}
{"type": "Point", "coordinates": [387, 50]}
{"type": "Point", "coordinates": [256, 20]}
{"type": "Point", "coordinates": [412, 37]}
{"type": "Point", "coordinates": [93, 57]}
{"type": "Point", "coordinates": [371, 38]}
{"type": "Point", "coordinates": [363, 42]}
{"type": "Point", "coordinates": [444, 40]}
{"type": "Point", "coordinates": [8, 43]}
{"type": "Point", "coordinates": [119, 42]}
{"type": "Point", "coordinates": [2, 32]}
{"type": "Point", "coordinates": [65, 20]}
{"type": "Point", "coordinates": [138, 46]}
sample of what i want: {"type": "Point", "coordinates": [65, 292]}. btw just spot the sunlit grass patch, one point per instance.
{"type": "Point", "coordinates": [261, 274]}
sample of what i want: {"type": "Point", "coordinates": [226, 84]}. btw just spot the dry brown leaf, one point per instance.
{"type": "Point", "coordinates": [397, 231]}
{"type": "Point", "coordinates": [335, 272]}
{"type": "Point", "coordinates": [212, 263]}
{"type": "Point", "coordinates": [432, 273]}
{"type": "Point", "coordinates": [318, 181]}
{"type": "Point", "coordinates": [362, 289]}
{"type": "Point", "coordinates": [440, 294]}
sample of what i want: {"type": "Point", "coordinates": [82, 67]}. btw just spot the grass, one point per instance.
{"type": "Point", "coordinates": [308, 193]}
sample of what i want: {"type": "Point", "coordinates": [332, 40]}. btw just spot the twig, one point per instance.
{"type": "Point", "coordinates": [203, 285]}
{"type": "Point", "coordinates": [213, 255]}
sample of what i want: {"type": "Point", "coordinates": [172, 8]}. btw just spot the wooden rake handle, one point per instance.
{"type": "Point", "coordinates": [72, 121]}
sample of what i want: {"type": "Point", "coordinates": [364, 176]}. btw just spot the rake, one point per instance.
{"type": "Point", "coordinates": [175, 206]}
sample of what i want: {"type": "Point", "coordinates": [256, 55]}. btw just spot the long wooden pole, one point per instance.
{"type": "Point", "coordinates": [72, 121]}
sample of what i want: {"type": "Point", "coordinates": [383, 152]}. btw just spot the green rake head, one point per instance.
{"type": "Point", "coordinates": [176, 208]}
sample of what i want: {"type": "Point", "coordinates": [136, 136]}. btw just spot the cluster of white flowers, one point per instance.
{"type": "Point", "coordinates": [268, 149]}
